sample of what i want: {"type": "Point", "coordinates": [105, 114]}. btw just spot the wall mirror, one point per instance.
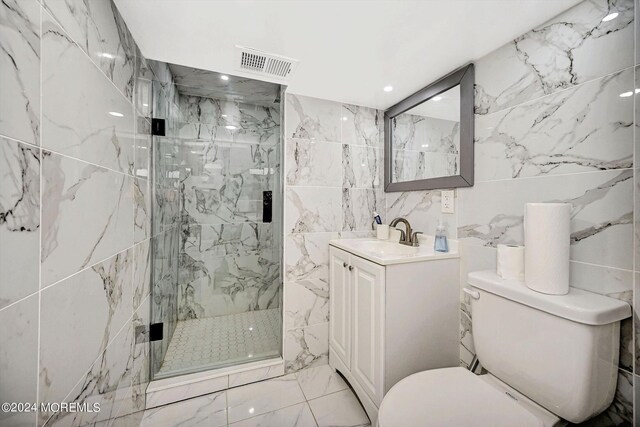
{"type": "Point", "coordinates": [428, 137]}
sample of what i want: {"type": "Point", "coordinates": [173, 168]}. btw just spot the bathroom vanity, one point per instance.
{"type": "Point", "coordinates": [394, 312]}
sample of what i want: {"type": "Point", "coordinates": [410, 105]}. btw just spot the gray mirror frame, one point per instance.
{"type": "Point", "coordinates": [465, 77]}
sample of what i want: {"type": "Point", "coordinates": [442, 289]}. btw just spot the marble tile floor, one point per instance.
{"type": "Point", "coordinates": [222, 341]}
{"type": "Point", "coordinates": [315, 397]}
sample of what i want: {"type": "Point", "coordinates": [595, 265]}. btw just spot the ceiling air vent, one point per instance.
{"type": "Point", "coordinates": [266, 64]}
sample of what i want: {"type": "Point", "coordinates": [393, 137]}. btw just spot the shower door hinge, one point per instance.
{"type": "Point", "coordinates": [157, 127]}
{"type": "Point", "coordinates": [155, 332]}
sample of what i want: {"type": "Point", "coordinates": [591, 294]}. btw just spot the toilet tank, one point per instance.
{"type": "Point", "coordinates": [561, 351]}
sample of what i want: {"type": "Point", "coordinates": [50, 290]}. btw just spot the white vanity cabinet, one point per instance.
{"type": "Point", "coordinates": [390, 319]}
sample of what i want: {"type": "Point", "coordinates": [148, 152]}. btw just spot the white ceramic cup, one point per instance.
{"type": "Point", "coordinates": [382, 231]}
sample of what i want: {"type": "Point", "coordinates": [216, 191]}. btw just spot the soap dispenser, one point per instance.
{"type": "Point", "coordinates": [441, 244]}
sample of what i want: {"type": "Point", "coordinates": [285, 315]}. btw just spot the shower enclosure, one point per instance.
{"type": "Point", "coordinates": [217, 222]}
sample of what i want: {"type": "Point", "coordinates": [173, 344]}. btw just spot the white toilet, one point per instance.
{"type": "Point", "coordinates": [550, 359]}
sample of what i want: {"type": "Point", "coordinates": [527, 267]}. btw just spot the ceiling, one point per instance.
{"type": "Point", "coordinates": [209, 84]}
{"type": "Point", "coordinates": [348, 50]}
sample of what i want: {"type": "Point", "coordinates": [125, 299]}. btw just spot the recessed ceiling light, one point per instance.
{"type": "Point", "coordinates": [116, 114]}
{"type": "Point", "coordinates": [387, 88]}
{"type": "Point", "coordinates": [145, 105]}
{"type": "Point", "coordinates": [437, 98]}
{"type": "Point", "coordinates": [224, 115]}
{"type": "Point", "coordinates": [425, 145]}
{"type": "Point", "coordinates": [344, 119]}
{"type": "Point", "coordinates": [626, 94]}
{"type": "Point", "coordinates": [223, 77]}
{"type": "Point", "coordinates": [610, 16]}
{"type": "Point", "coordinates": [230, 127]}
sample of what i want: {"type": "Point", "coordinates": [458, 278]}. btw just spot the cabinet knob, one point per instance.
{"type": "Point", "coordinates": [350, 268]}
{"type": "Point", "coordinates": [344, 265]}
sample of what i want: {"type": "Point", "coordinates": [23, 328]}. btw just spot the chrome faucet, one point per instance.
{"type": "Point", "coordinates": [408, 236]}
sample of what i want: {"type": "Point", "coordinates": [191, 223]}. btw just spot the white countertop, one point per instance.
{"type": "Point", "coordinates": [389, 252]}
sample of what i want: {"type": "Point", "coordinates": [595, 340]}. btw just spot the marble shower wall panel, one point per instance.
{"type": "Point", "coordinates": [89, 310]}
{"type": "Point", "coordinates": [333, 184]}
{"type": "Point", "coordinates": [84, 115]}
{"type": "Point", "coordinates": [571, 49]}
{"type": "Point", "coordinates": [20, 223]}
{"type": "Point", "coordinates": [19, 358]}
{"type": "Point", "coordinates": [81, 196]}
{"type": "Point", "coordinates": [75, 320]}
{"type": "Point", "coordinates": [97, 27]}
{"type": "Point", "coordinates": [20, 65]}
{"type": "Point", "coordinates": [228, 261]}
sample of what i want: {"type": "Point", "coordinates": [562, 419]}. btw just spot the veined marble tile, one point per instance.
{"type": "Point", "coordinates": [19, 359]}
{"type": "Point", "coordinates": [217, 286]}
{"type": "Point", "coordinates": [20, 220]}
{"type": "Point", "coordinates": [620, 413]}
{"type": "Point", "coordinates": [362, 126]}
{"type": "Point", "coordinates": [141, 272]}
{"type": "Point", "coordinates": [80, 319]}
{"type": "Point", "coordinates": [210, 410]}
{"type": "Point", "coordinates": [266, 396]}
{"type": "Point", "coordinates": [339, 409]}
{"type": "Point", "coordinates": [140, 354]}
{"type": "Point", "coordinates": [83, 115]}
{"type": "Point", "coordinates": [306, 347]}
{"type": "Point", "coordinates": [358, 206]}
{"type": "Point", "coordinates": [586, 128]}
{"type": "Point", "coordinates": [97, 27]}
{"type": "Point", "coordinates": [306, 303]}
{"type": "Point", "coordinates": [312, 118]}
{"type": "Point", "coordinates": [422, 209]}
{"type": "Point", "coordinates": [313, 164]}
{"type": "Point", "coordinates": [293, 416]}
{"type": "Point", "coordinates": [200, 241]}
{"type": "Point", "coordinates": [142, 209]}
{"type": "Point", "coordinates": [572, 48]}
{"type": "Point", "coordinates": [601, 218]}
{"type": "Point", "coordinates": [20, 69]}
{"type": "Point", "coordinates": [78, 196]}
{"type": "Point", "coordinates": [311, 209]}
{"type": "Point", "coordinates": [143, 144]}
{"type": "Point", "coordinates": [362, 167]}
{"type": "Point", "coordinates": [320, 381]}
{"type": "Point", "coordinates": [255, 375]}
{"type": "Point", "coordinates": [307, 256]}
{"type": "Point", "coordinates": [636, 320]}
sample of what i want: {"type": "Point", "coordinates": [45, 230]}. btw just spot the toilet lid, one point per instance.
{"type": "Point", "coordinates": [451, 397]}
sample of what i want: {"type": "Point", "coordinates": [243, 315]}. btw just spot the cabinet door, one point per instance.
{"type": "Point", "coordinates": [367, 283]}
{"type": "Point", "coordinates": [339, 304]}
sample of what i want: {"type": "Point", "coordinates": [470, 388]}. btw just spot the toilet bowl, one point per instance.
{"type": "Point", "coordinates": [457, 397]}
{"type": "Point", "coordinates": [550, 359]}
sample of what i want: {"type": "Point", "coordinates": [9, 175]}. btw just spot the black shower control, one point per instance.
{"type": "Point", "coordinates": [266, 206]}
{"type": "Point", "coordinates": [157, 127]}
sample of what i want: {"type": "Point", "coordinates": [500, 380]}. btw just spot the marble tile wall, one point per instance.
{"type": "Point", "coordinates": [551, 125]}
{"type": "Point", "coordinates": [333, 184]}
{"type": "Point", "coordinates": [229, 258]}
{"type": "Point", "coordinates": [74, 210]}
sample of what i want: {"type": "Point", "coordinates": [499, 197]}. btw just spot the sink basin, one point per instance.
{"type": "Point", "coordinates": [384, 248]}
{"type": "Point", "coordinates": [386, 252]}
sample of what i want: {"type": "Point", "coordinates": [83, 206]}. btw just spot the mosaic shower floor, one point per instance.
{"type": "Point", "coordinates": [223, 340]}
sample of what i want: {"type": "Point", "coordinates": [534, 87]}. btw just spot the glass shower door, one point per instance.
{"type": "Point", "coordinates": [225, 305]}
